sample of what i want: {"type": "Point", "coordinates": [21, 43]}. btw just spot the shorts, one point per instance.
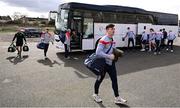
{"type": "Point", "coordinates": [19, 43]}
{"type": "Point", "coordinates": [144, 41]}
{"type": "Point", "coordinates": [152, 41]}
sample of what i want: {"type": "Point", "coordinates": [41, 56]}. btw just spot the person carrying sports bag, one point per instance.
{"type": "Point", "coordinates": [110, 68]}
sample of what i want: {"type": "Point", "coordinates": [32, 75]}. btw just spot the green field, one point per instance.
{"type": "Point", "coordinates": [14, 28]}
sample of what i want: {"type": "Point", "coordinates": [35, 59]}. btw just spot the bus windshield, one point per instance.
{"type": "Point", "coordinates": [62, 20]}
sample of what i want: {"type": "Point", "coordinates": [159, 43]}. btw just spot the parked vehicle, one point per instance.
{"type": "Point", "coordinates": [89, 22]}
{"type": "Point", "coordinates": [32, 32]}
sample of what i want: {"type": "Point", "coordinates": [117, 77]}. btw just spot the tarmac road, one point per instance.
{"type": "Point", "coordinates": [145, 80]}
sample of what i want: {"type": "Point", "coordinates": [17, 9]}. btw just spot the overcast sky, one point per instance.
{"type": "Point", "coordinates": [40, 8]}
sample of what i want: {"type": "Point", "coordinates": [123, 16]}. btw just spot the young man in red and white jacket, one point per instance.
{"type": "Point", "coordinates": [106, 43]}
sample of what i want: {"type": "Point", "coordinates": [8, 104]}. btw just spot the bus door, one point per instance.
{"type": "Point", "coordinates": [76, 33]}
{"type": "Point", "coordinates": [88, 34]}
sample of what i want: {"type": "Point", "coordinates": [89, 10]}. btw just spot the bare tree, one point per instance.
{"type": "Point", "coordinates": [18, 15]}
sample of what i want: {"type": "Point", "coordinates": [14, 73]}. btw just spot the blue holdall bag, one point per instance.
{"type": "Point", "coordinates": [95, 63]}
{"type": "Point", "coordinates": [40, 45]}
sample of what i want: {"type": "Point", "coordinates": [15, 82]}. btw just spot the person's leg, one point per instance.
{"type": "Point", "coordinates": [159, 46]}
{"type": "Point", "coordinates": [46, 49]}
{"type": "Point", "coordinates": [98, 82]}
{"type": "Point", "coordinates": [162, 43]}
{"type": "Point", "coordinates": [113, 75]}
{"type": "Point", "coordinates": [96, 87]}
{"type": "Point", "coordinates": [20, 51]}
{"type": "Point", "coordinates": [171, 44]}
{"type": "Point", "coordinates": [128, 42]}
{"type": "Point", "coordinates": [156, 48]}
{"type": "Point", "coordinates": [168, 45]}
{"type": "Point", "coordinates": [143, 47]}
{"type": "Point", "coordinates": [132, 43]}
{"type": "Point", "coordinates": [66, 50]}
{"type": "Point", "coordinates": [150, 43]}
{"type": "Point", "coordinates": [153, 45]}
{"type": "Point", "coordinates": [143, 44]}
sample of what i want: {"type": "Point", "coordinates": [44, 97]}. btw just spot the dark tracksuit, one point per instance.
{"type": "Point", "coordinates": [102, 48]}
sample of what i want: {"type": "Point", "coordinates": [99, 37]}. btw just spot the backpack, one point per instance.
{"type": "Point", "coordinates": [62, 37]}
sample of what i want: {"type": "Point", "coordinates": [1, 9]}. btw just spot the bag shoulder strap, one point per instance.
{"type": "Point", "coordinates": [110, 47]}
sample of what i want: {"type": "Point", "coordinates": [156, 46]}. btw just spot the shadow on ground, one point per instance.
{"type": "Point", "coordinates": [48, 62]}
{"type": "Point", "coordinates": [132, 61]}
{"type": "Point", "coordinates": [15, 60]}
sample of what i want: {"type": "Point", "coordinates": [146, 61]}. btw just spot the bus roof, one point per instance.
{"type": "Point", "coordinates": [106, 8]}
{"type": "Point", "coordinates": [163, 18]}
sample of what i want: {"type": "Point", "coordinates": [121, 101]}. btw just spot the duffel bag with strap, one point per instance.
{"type": "Point", "coordinates": [40, 45]}
{"type": "Point", "coordinates": [12, 48]}
{"type": "Point", "coordinates": [25, 48]}
{"type": "Point", "coordinates": [95, 63]}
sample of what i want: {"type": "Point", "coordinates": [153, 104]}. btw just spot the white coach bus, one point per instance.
{"type": "Point", "coordinates": [89, 22]}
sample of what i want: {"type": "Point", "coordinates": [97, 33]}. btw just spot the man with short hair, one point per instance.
{"type": "Point", "coordinates": [158, 38]}
{"type": "Point", "coordinates": [67, 43]}
{"type": "Point", "coordinates": [19, 36]}
{"type": "Point", "coordinates": [144, 40]}
{"type": "Point", "coordinates": [46, 37]}
{"type": "Point", "coordinates": [164, 38]}
{"type": "Point", "coordinates": [105, 50]}
{"type": "Point", "coordinates": [170, 37]}
{"type": "Point", "coordinates": [131, 36]}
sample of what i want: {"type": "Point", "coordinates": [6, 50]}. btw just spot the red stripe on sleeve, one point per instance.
{"type": "Point", "coordinates": [105, 43]}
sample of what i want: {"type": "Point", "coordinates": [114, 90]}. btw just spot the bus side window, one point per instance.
{"type": "Point", "coordinates": [88, 28]}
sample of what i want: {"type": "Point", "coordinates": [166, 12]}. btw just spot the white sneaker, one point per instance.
{"type": "Point", "coordinates": [167, 49]}
{"type": "Point", "coordinates": [68, 57]}
{"type": "Point", "coordinates": [149, 51]}
{"type": "Point", "coordinates": [75, 58]}
{"type": "Point", "coordinates": [155, 53]}
{"type": "Point", "coordinates": [142, 50]}
{"type": "Point", "coordinates": [159, 52]}
{"type": "Point", "coordinates": [97, 98]}
{"type": "Point", "coordinates": [119, 100]}
{"type": "Point", "coordinates": [172, 51]}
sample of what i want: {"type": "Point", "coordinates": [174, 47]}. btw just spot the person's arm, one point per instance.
{"type": "Point", "coordinates": [174, 37]}
{"type": "Point", "coordinates": [142, 36]}
{"type": "Point", "coordinates": [126, 35]}
{"type": "Point", "coordinates": [42, 37]}
{"type": "Point", "coordinates": [24, 37]}
{"type": "Point", "coordinates": [52, 39]}
{"type": "Point", "coordinates": [14, 37]}
{"type": "Point", "coordinates": [133, 35]}
{"type": "Point", "coordinates": [100, 52]}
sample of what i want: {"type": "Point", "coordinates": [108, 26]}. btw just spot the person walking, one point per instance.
{"type": "Point", "coordinates": [158, 38]}
{"type": "Point", "coordinates": [144, 40]}
{"type": "Point", "coordinates": [131, 36]}
{"type": "Point", "coordinates": [152, 40]}
{"type": "Point", "coordinates": [67, 43]}
{"type": "Point", "coordinates": [19, 36]}
{"type": "Point", "coordinates": [46, 37]}
{"type": "Point", "coordinates": [164, 38]}
{"type": "Point", "coordinates": [105, 44]}
{"type": "Point", "coordinates": [170, 37]}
